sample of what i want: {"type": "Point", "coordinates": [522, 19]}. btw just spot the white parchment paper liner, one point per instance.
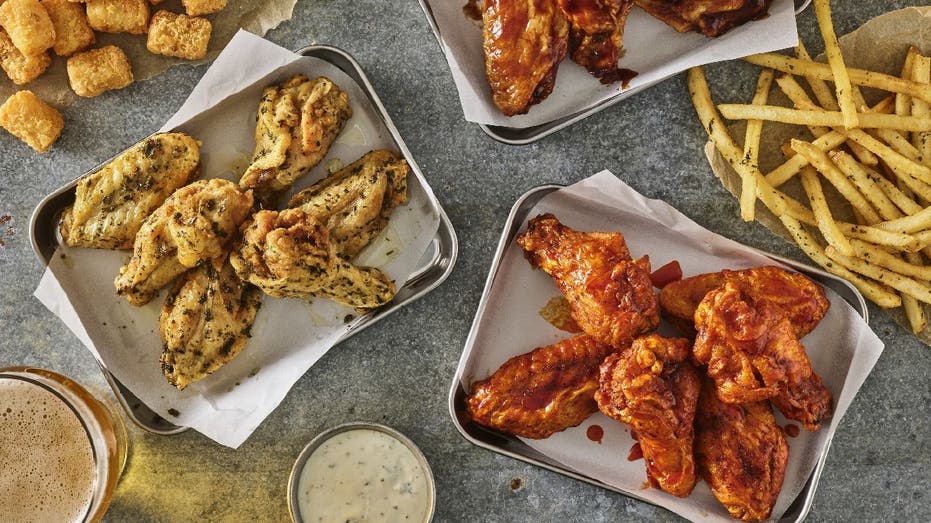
{"type": "Point", "coordinates": [843, 349]}
{"type": "Point", "coordinates": [653, 49]}
{"type": "Point", "coordinates": [289, 335]}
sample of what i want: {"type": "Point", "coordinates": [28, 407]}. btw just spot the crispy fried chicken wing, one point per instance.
{"type": "Point", "coordinates": [111, 203]}
{"type": "Point", "coordinates": [708, 17]}
{"type": "Point", "coordinates": [297, 122]}
{"type": "Point", "coordinates": [596, 35]}
{"type": "Point", "coordinates": [541, 392]}
{"type": "Point", "coordinates": [355, 202]}
{"type": "Point", "coordinates": [205, 321]}
{"type": "Point", "coordinates": [289, 254]}
{"type": "Point", "coordinates": [524, 41]}
{"type": "Point", "coordinates": [800, 299]}
{"type": "Point", "coordinates": [741, 452]}
{"type": "Point", "coordinates": [653, 388]}
{"type": "Point", "coordinates": [611, 296]}
{"type": "Point", "coordinates": [193, 225]}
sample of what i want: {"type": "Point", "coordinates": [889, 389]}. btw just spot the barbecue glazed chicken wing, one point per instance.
{"type": "Point", "coordinates": [708, 17]}
{"type": "Point", "coordinates": [610, 294]}
{"type": "Point", "coordinates": [523, 41]}
{"type": "Point", "coordinates": [596, 35]}
{"type": "Point", "coordinates": [653, 388]}
{"type": "Point", "coordinates": [205, 322]}
{"type": "Point", "coordinates": [541, 392]}
{"type": "Point", "coordinates": [742, 454]}
{"type": "Point", "coordinates": [194, 225]}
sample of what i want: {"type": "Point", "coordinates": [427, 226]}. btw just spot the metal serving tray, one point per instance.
{"type": "Point", "coordinates": [513, 447]}
{"type": "Point", "coordinates": [434, 267]}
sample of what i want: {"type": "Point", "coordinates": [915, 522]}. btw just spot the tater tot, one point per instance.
{"type": "Point", "coordinates": [31, 120]}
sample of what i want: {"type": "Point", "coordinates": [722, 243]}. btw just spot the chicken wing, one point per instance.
{"type": "Point", "coordinates": [653, 388]}
{"type": "Point", "coordinates": [541, 392]}
{"type": "Point", "coordinates": [524, 41]}
{"type": "Point", "coordinates": [193, 225]}
{"type": "Point", "coordinates": [289, 254]}
{"type": "Point", "coordinates": [611, 296]}
{"type": "Point", "coordinates": [708, 17]}
{"type": "Point", "coordinates": [741, 452]}
{"type": "Point", "coordinates": [296, 124]}
{"type": "Point", "coordinates": [205, 321]}
{"type": "Point", "coordinates": [596, 36]}
{"type": "Point", "coordinates": [111, 203]}
{"type": "Point", "coordinates": [800, 299]}
{"type": "Point", "coordinates": [355, 202]}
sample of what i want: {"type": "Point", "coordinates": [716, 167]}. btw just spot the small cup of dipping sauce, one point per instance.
{"type": "Point", "coordinates": [361, 472]}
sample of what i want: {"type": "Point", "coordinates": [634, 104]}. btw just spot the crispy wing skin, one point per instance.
{"type": "Point", "coordinates": [541, 392]}
{"type": "Point", "coordinates": [809, 402]}
{"type": "Point", "coordinates": [708, 17]}
{"type": "Point", "coordinates": [193, 225]}
{"type": "Point", "coordinates": [800, 299]}
{"type": "Point", "coordinates": [296, 124]}
{"type": "Point", "coordinates": [111, 204]}
{"type": "Point", "coordinates": [288, 254]}
{"type": "Point", "coordinates": [596, 35]}
{"type": "Point", "coordinates": [653, 388]}
{"type": "Point", "coordinates": [611, 296]}
{"type": "Point", "coordinates": [524, 41]}
{"type": "Point", "coordinates": [742, 454]}
{"type": "Point", "coordinates": [205, 322]}
{"type": "Point", "coordinates": [355, 202]}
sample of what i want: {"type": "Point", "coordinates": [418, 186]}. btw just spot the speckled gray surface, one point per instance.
{"type": "Point", "coordinates": [398, 372]}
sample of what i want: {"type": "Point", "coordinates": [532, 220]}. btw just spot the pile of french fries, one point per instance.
{"type": "Point", "coordinates": [877, 157]}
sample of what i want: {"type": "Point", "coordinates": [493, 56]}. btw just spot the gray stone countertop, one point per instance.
{"type": "Point", "coordinates": [398, 372]}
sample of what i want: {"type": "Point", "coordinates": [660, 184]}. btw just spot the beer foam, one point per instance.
{"type": "Point", "coordinates": [46, 455]}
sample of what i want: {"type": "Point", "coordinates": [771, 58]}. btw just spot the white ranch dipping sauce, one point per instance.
{"type": "Point", "coordinates": [363, 475]}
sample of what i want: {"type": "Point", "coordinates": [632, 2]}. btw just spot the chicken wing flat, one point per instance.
{"type": "Point", "coordinates": [610, 294]}
{"type": "Point", "coordinates": [800, 299]}
{"type": "Point", "coordinates": [288, 254]}
{"type": "Point", "coordinates": [111, 203]}
{"type": "Point", "coordinates": [205, 321]}
{"type": "Point", "coordinates": [193, 225]}
{"type": "Point", "coordinates": [708, 17]}
{"type": "Point", "coordinates": [653, 388]}
{"type": "Point", "coordinates": [524, 41]}
{"type": "Point", "coordinates": [541, 392]}
{"type": "Point", "coordinates": [742, 454]}
{"type": "Point", "coordinates": [297, 122]}
{"type": "Point", "coordinates": [596, 35]}
{"type": "Point", "coordinates": [355, 202]}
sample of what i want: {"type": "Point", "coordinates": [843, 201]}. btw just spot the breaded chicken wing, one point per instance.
{"type": "Point", "coordinates": [193, 225]}
{"type": "Point", "coordinates": [296, 124]}
{"type": "Point", "coordinates": [205, 321]}
{"type": "Point", "coordinates": [541, 392]}
{"type": "Point", "coordinates": [611, 295]}
{"type": "Point", "coordinates": [800, 299]}
{"type": "Point", "coordinates": [596, 35]}
{"type": "Point", "coordinates": [653, 388]}
{"type": "Point", "coordinates": [708, 17]}
{"type": "Point", "coordinates": [741, 453]}
{"type": "Point", "coordinates": [524, 41]}
{"type": "Point", "coordinates": [355, 202]}
{"type": "Point", "coordinates": [111, 203]}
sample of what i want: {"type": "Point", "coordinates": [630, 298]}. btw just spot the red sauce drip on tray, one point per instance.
{"type": "Point", "coordinates": [791, 430]}
{"type": "Point", "coordinates": [595, 433]}
{"type": "Point", "coordinates": [635, 452]}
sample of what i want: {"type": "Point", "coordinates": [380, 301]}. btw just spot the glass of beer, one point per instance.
{"type": "Point", "coordinates": [63, 450]}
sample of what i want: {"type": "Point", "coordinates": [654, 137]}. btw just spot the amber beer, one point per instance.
{"type": "Point", "coordinates": [61, 449]}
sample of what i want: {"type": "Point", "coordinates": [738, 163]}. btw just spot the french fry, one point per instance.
{"type": "Point", "coordinates": [823, 216]}
{"type": "Point", "coordinates": [823, 118]}
{"type": "Point", "coordinates": [861, 178]}
{"type": "Point", "coordinates": [914, 311]}
{"type": "Point", "coordinates": [921, 71]}
{"type": "Point", "coordinates": [820, 161]}
{"type": "Point", "coordinates": [823, 93]}
{"type": "Point", "coordinates": [796, 93]}
{"type": "Point", "coordinates": [836, 61]}
{"type": "Point", "coordinates": [902, 167]}
{"type": "Point", "coordinates": [894, 240]}
{"type": "Point", "coordinates": [748, 187]}
{"type": "Point", "coordinates": [903, 102]}
{"type": "Point", "coordinates": [893, 279]}
{"type": "Point", "coordinates": [791, 167]}
{"type": "Point", "coordinates": [882, 258]}
{"type": "Point", "coordinates": [908, 224]}
{"type": "Point", "coordinates": [899, 144]}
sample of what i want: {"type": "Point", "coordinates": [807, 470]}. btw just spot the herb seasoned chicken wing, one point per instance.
{"type": "Point", "coordinates": [355, 202]}
{"type": "Point", "coordinates": [205, 321]}
{"type": "Point", "coordinates": [596, 35]}
{"type": "Point", "coordinates": [541, 392]}
{"type": "Point", "coordinates": [193, 225]}
{"type": "Point", "coordinates": [741, 452]}
{"type": "Point", "coordinates": [610, 294]}
{"type": "Point", "coordinates": [289, 254]}
{"type": "Point", "coordinates": [708, 17]}
{"type": "Point", "coordinates": [297, 122]}
{"type": "Point", "coordinates": [653, 388]}
{"type": "Point", "coordinates": [111, 204]}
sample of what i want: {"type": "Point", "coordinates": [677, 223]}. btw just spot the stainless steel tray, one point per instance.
{"type": "Point", "coordinates": [513, 447]}
{"type": "Point", "coordinates": [434, 267]}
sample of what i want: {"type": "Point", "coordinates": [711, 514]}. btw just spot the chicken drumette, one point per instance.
{"type": "Point", "coordinates": [596, 35]}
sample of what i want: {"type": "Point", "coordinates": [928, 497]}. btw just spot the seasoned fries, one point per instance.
{"type": "Point", "coordinates": [836, 61]}
{"type": "Point", "coordinates": [99, 70]}
{"type": "Point", "coordinates": [31, 120]}
{"type": "Point", "coordinates": [179, 35]}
